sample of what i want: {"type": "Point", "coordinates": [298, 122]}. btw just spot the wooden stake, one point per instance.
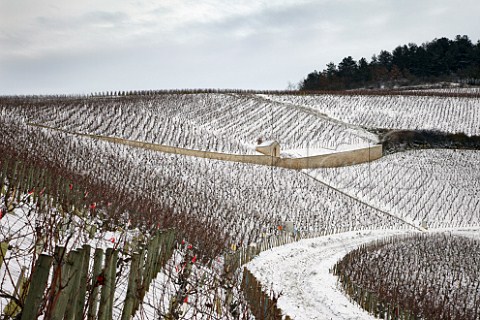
{"type": "Point", "coordinates": [37, 287]}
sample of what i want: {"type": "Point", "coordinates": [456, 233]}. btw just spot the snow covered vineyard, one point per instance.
{"type": "Point", "coordinates": [447, 114]}
{"type": "Point", "coordinates": [211, 122]}
{"type": "Point", "coordinates": [217, 207]}
{"type": "Point", "coordinates": [430, 188]}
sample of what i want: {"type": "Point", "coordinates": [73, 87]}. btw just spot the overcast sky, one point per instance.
{"type": "Point", "coordinates": [90, 45]}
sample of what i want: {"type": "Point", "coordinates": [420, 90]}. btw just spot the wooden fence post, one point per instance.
{"type": "Point", "coordinates": [82, 279]}
{"type": "Point", "coordinates": [74, 283]}
{"type": "Point", "coordinates": [65, 288]}
{"type": "Point", "coordinates": [93, 298]}
{"type": "Point", "coordinates": [132, 294]}
{"type": "Point", "coordinates": [104, 296]}
{"type": "Point", "coordinates": [112, 276]}
{"type": "Point", "coordinates": [152, 254]}
{"type": "Point", "coordinates": [38, 284]}
{"type": "Point", "coordinates": [156, 257]}
{"type": "Point", "coordinates": [12, 309]}
{"type": "Point", "coordinates": [140, 289]}
{"type": "Point", "coordinates": [55, 285]}
{"type": "Point", "coordinates": [161, 251]}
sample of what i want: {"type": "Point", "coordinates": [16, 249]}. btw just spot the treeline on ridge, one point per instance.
{"type": "Point", "coordinates": [439, 60]}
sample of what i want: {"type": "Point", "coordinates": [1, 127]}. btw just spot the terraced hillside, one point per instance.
{"type": "Point", "coordinates": [442, 113]}
{"type": "Point", "coordinates": [436, 188]}
{"type": "Point", "coordinates": [215, 122]}
{"type": "Point", "coordinates": [232, 205]}
{"type": "Point", "coordinates": [246, 199]}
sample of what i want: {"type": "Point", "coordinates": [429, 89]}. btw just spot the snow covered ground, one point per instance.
{"type": "Point", "coordinates": [300, 272]}
{"type": "Point", "coordinates": [438, 187]}
{"type": "Point", "coordinates": [210, 122]}
{"type": "Point", "coordinates": [448, 114]}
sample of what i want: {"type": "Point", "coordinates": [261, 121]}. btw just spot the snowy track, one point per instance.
{"type": "Point", "coordinates": [300, 271]}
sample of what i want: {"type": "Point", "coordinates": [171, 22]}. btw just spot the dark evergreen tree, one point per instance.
{"type": "Point", "coordinates": [440, 59]}
{"type": "Point", "coordinates": [363, 74]}
{"type": "Point", "coordinates": [385, 59]}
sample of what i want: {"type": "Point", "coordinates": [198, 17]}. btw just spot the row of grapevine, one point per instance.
{"type": "Point", "coordinates": [58, 210]}
{"type": "Point", "coordinates": [46, 207]}
{"type": "Point", "coordinates": [244, 201]}
{"type": "Point", "coordinates": [465, 92]}
{"type": "Point", "coordinates": [448, 114]}
{"type": "Point", "coordinates": [421, 277]}
{"type": "Point", "coordinates": [453, 90]}
{"type": "Point", "coordinates": [437, 188]}
{"type": "Point", "coordinates": [215, 122]}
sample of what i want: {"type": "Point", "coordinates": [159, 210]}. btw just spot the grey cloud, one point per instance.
{"type": "Point", "coordinates": [13, 40]}
{"type": "Point", "coordinates": [83, 21]}
{"type": "Point", "coordinates": [265, 48]}
{"type": "Point", "coordinates": [161, 10]}
{"type": "Point", "coordinates": [264, 21]}
{"type": "Point", "coordinates": [104, 16]}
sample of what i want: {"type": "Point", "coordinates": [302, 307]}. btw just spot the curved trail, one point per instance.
{"type": "Point", "coordinates": [301, 273]}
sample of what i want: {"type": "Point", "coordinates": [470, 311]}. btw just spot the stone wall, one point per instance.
{"type": "Point", "coordinates": [338, 159]}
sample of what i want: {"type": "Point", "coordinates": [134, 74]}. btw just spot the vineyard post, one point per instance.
{"type": "Point", "coordinates": [111, 280]}
{"type": "Point", "coordinates": [241, 256]}
{"type": "Point", "coordinates": [159, 253]}
{"type": "Point", "coordinates": [132, 294]}
{"type": "Point", "coordinates": [65, 289]}
{"type": "Point", "coordinates": [18, 182]}
{"type": "Point", "coordinates": [169, 246]}
{"type": "Point", "coordinates": [368, 301]}
{"type": "Point", "coordinates": [55, 285]}
{"type": "Point", "coordinates": [228, 274]}
{"type": "Point", "coordinates": [147, 268]}
{"type": "Point", "coordinates": [152, 255]}
{"type": "Point", "coordinates": [171, 240]}
{"type": "Point", "coordinates": [74, 283]}
{"type": "Point", "coordinates": [82, 278]}
{"type": "Point", "coordinates": [3, 176]}
{"type": "Point", "coordinates": [13, 308]}
{"type": "Point", "coordinates": [155, 249]}
{"type": "Point", "coordinates": [37, 287]}
{"type": "Point", "coordinates": [93, 299]}
{"type": "Point", "coordinates": [164, 248]}
{"type": "Point", "coordinates": [104, 296]}
{"type": "Point", "coordinates": [141, 269]}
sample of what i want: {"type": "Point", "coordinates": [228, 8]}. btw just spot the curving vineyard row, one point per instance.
{"type": "Point", "coordinates": [215, 122]}
{"type": "Point", "coordinates": [426, 277]}
{"type": "Point", "coordinates": [448, 114]}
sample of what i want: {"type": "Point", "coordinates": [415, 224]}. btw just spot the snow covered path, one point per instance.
{"type": "Point", "coordinates": [300, 271]}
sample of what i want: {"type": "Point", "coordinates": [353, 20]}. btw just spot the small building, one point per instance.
{"type": "Point", "coordinates": [269, 148]}
{"type": "Point", "coordinates": [289, 226]}
{"type": "Point", "coordinates": [424, 224]}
